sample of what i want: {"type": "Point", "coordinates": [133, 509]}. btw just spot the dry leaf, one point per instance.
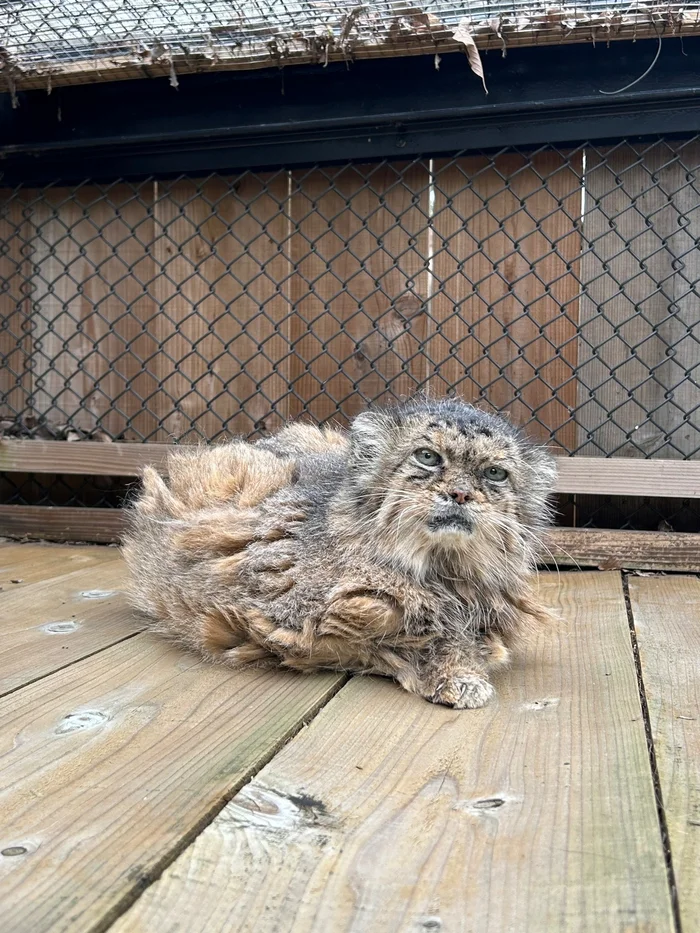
{"type": "Point", "coordinates": [495, 25]}
{"type": "Point", "coordinates": [610, 563]}
{"type": "Point", "coordinates": [462, 34]}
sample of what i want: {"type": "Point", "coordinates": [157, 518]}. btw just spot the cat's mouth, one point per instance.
{"type": "Point", "coordinates": [451, 520]}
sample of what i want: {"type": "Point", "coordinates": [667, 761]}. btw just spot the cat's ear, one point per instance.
{"type": "Point", "coordinates": [369, 433]}
{"type": "Point", "coordinates": [544, 465]}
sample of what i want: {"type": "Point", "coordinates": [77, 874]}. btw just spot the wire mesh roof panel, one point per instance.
{"type": "Point", "coordinates": [74, 41]}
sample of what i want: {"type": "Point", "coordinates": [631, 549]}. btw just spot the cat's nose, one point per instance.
{"type": "Point", "coordinates": [461, 496]}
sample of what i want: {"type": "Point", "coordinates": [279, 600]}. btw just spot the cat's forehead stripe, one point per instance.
{"type": "Point", "coordinates": [456, 444]}
{"type": "Point", "coordinates": [466, 429]}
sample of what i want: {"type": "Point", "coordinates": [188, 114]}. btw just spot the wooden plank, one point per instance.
{"type": "Point", "coordinates": [506, 295]}
{"type": "Point", "coordinates": [221, 253]}
{"type": "Point", "coordinates": [627, 476]}
{"type": "Point", "coordinates": [32, 563]}
{"type": "Point", "coordinates": [641, 224]}
{"type": "Point", "coordinates": [360, 289]}
{"type": "Point", "coordinates": [110, 767]}
{"type": "Point", "coordinates": [615, 550]}
{"type": "Point", "coordinates": [619, 476]}
{"type": "Point", "coordinates": [536, 813]}
{"type": "Point", "coordinates": [665, 612]}
{"type": "Point", "coordinates": [639, 316]}
{"type": "Point", "coordinates": [86, 458]}
{"type": "Point", "coordinates": [68, 523]}
{"type": "Point", "coordinates": [46, 626]}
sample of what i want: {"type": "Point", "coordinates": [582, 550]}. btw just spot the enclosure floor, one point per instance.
{"type": "Point", "coordinates": [143, 790]}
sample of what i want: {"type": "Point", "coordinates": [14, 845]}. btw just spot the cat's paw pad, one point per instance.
{"type": "Point", "coordinates": [464, 691]}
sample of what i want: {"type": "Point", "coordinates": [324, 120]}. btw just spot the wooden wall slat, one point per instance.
{"type": "Point", "coordinates": [90, 275]}
{"type": "Point", "coordinates": [15, 306]}
{"type": "Point", "coordinates": [363, 228]}
{"type": "Point", "coordinates": [221, 289]}
{"type": "Point", "coordinates": [640, 270]}
{"type": "Point", "coordinates": [164, 312]}
{"type": "Point", "coordinates": [506, 244]}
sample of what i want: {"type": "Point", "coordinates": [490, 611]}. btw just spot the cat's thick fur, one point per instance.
{"type": "Point", "coordinates": [322, 549]}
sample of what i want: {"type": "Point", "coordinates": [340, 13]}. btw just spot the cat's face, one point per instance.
{"type": "Point", "coordinates": [444, 476]}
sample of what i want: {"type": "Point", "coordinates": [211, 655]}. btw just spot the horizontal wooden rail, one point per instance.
{"type": "Point", "coordinates": [566, 547]}
{"type": "Point", "coordinates": [616, 476]}
{"type": "Point", "coordinates": [87, 458]}
{"type": "Point", "coordinates": [49, 523]}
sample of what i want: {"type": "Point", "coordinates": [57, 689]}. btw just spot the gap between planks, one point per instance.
{"type": "Point", "coordinates": [613, 476]}
{"type": "Point", "coordinates": [665, 617]}
{"type": "Point", "coordinates": [49, 625]}
{"type": "Point", "coordinates": [537, 813]}
{"type": "Point", "coordinates": [110, 768]}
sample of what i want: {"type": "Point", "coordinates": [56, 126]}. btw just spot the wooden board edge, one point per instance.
{"type": "Point", "coordinates": [81, 458]}
{"type": "Point", "coordinates": [49, 523]}
{"type": "Point", "coordinates": [566, 547]}
{"type": "Point", "coordinates": [607, 476]}
{"type": "Point", "coordinates": [629, 476]}
{"type": "Point", "coordinates": [623, 550]}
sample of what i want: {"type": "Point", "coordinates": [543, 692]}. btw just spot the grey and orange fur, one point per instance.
{"type": "Point", "coordinates": [323, 549]}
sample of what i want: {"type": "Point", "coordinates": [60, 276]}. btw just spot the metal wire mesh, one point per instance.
{"type": "Point", "coordinates": [48, 42]}
{"type": "Point", "coordinates": [557, 286]}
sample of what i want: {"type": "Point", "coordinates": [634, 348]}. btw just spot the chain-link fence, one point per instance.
{"type": "Point", "coordinates": [557, 285]}
{"type": "Point", "coordinates": [47, 43]}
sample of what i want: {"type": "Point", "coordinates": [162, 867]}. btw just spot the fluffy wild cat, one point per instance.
{"type": "Point", "coordinates": [403, 547]}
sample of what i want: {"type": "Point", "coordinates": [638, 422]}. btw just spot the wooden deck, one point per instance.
{"type": "Point", "coordinates": [146, 792]}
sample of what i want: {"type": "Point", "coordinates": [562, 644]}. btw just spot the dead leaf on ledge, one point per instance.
{"type": "Point", "coordinates": [463, 35]}
{"type": "Point", "coordinates": [610, 563]}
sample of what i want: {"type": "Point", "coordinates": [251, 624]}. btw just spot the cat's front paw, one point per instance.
{"type": "Point", "coordinates": [463, 691]}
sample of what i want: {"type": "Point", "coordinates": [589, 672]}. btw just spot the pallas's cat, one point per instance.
{"type": "Point", "coordinates": [403, 547]}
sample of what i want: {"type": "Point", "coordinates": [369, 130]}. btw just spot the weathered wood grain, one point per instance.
{"type": "Point", "coordinates": [639, 314]}
{"type": "Point", "coordinates": [32, 563]}
{"type": "Point", "coordinates": [615, 550]}
{"type": "Point", "coordinates": [46, 626]}
{"type": "Point", "coordinates": [536, 813]}
{"type": "Point", "coordinates": [15, 304]}
{"type": "Point", "coordinates": [107, 768]}
{"type": "Point", "coordinates": [665, 612]}
{"type": "Point", "coordinates": [69, 523]}
{"type": "Point", "coordinates": [84, 458]}
{"type": "Point", "coordinates": [91, 305]}
{"type": "Point", "coordinates": [220, 254]}
{"type": "Point", "coordinates": [360, 251]}
{"type": "Point", "coordinates": [506, 293]}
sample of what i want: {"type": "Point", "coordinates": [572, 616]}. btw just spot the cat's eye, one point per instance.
{"type": "Point", "coordinates": [427, 457]}
{"type": "Point", "coordinates": [496, 474]}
